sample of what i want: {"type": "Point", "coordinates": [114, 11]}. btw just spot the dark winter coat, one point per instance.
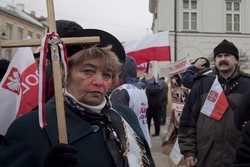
{"type": "Point", "coordinates": [242, 158]}
{"type": "Point", "coordinates": [243, 112]}
{"type": "Point", "coordinates": [242, 121]}
{"type": "Point", "coordinates": [26, 144]}
{"type": "Point", "coordinates": [153, 91]}
{"type": "Point", "coordinates": [164, 94]}
{"type": "Point", "coordinates": [212, 142]}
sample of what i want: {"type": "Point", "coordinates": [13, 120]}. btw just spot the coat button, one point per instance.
{"type": "Point", "coordinates": [95, 128]}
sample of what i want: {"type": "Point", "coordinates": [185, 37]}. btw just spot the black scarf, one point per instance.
{"type": "Point", "coordinates": [113, 130]}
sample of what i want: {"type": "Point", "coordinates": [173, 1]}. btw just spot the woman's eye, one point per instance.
{"type": "Point", "coordinates": [88, 72]}
{"type": "Point", "coordinates": [107, 75]}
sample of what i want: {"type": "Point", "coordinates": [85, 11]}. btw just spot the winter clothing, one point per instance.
{"type": "Point", "coordinates": [153, 91]}
{"type": "Point", "coordinates": [26, 144]}
{"type": "Point", "coordinates": [132, 95]}
{"type": "Point", "coordinates": [243, 149]}
{"type": "Point", "coordinates": [226, 47]}
{"type": "Point", "coordinates": [62, 155]}
{"type": "Point", "coordinates": [129, 71]}
{"type": "Point", "coordinates": [212, 142]}
{"type": "Point", "coordinates": [164, 94]}
{"type": "Point", "coordinates": [243, 115]}
{"type": "Point", "coordinates": [163, 101]}
{"type": "Point", "coordinates": [190, 76]}
{"type": "Point", "coordinates": [242, 121]}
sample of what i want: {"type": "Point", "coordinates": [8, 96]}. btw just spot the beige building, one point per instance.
{"type": "Point", "coordinates": [16, 24]}
{"type": "Point", "coordinates": [197, 26]}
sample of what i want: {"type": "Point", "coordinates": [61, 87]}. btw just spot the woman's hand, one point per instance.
{"type": "Point", "coordinates": [62, 155]}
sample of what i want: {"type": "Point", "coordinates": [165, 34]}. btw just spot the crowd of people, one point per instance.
{"type": "Point", "coordinates": [109, 124]}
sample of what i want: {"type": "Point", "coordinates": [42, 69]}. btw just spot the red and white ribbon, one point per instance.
{"type": "Point", "coordinates": [42, 73]}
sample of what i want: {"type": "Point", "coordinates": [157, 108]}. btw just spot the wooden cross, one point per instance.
{"type": "Point", "coordinates": [61, 122]}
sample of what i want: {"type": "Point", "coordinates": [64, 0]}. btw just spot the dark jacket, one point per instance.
{"type": "Point", "coordinates": [243, 115]}
{"type": "Point", "coordinates": [188, 78]}
{"type": "Point", "coordinates": [164, 94]}
{"type": "Point", "coordinates": [243, 150]}
{"type": "Point", "coordinates": [153, 91]}
{"type": "Point", "coordinates": [212, 142]}
{"type": "Point", "coordinates": [26, 144]}
{"type": "Point", "coordinates": [242, 121]}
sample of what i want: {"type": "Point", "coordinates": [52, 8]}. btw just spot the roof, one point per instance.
{"type": "Point", "coordinates": [21, 15]}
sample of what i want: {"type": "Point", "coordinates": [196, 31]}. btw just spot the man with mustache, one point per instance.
{"type": "Point", "coordinates": [207, 133]}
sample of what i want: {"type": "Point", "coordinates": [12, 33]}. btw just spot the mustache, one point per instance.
{"type": "Point", "coordinates": [223, 63]}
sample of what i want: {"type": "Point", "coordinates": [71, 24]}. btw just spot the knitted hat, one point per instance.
{"type": "Point", "coordinates": [226, 47]}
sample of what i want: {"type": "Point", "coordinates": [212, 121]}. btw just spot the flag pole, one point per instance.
{"type": "Point", "coordinates": [61, 121]}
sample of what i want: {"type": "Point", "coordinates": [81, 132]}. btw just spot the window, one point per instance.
{"type": "Point", "coordinates": [190, 15]}
{"type": "Point", "coordinates": [30, 34]}
{"type": "Point", "coordinates": [19, 33]}
{"type": "Point", "coordinates": [233, 16]}
{"type": "Point", "coordinates": [8, 54]}
{"type": "Point", "coordinates": [38, 36]}
{"type": "Point", "coordinates": [9, 31]}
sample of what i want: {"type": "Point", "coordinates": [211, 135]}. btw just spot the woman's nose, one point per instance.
{"type": "Point", "coordinates": [98, 80]}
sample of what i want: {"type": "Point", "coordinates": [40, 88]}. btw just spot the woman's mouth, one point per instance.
{"type": "Point", "coordinates": [96, 93]}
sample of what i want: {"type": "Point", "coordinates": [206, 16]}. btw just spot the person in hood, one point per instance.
{"type": "Point", "coordinates": [201, 66]}
{"type": "Point", "coordinates": [132, 95]}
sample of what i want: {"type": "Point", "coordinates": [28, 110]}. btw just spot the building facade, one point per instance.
{"type": "Point", "coordinates": [197, 26]}
{"type": "Point", "coordinates": [16, 24]}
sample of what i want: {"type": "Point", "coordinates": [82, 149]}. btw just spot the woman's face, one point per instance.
{"type": "Point", "coordinates": [90, 81]}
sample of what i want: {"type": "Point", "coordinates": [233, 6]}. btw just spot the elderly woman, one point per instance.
{"type": "Point", "coordinates": [99, 134]}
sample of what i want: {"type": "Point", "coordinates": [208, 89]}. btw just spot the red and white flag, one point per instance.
{"type": "Point", "coordinates": [18, 88]}
{"type": "Point", "coordinates": [153, 47]}
{"type": "Point", "coordinates": [216, 102]}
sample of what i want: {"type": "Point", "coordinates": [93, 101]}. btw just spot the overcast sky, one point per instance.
{"type": "Point", "coordinates": [125, 19]}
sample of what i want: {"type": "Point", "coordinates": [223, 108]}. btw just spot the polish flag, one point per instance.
{"type": "Point", "coordinates": [18, 88]}
{"type": "Point", "coordinates": [216, 102]}
{"type": "Point", "coordinates": [154, 47]}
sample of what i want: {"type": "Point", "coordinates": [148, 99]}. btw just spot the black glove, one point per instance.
{"type": "Point", "coordinates": [62, 155]}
